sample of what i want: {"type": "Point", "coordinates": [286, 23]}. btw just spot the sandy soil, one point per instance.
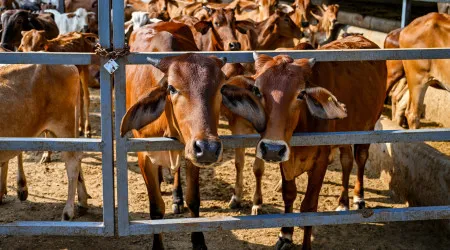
{"type": "Point", "coordinates": [48, 191]}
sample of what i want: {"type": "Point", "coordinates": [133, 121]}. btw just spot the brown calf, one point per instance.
{"type": "Point", "coordinates": [296, 97]}
{"type": "Point", "coordinates": [177, 97]}
{"type": "Point", "coordinates": [23, 89]}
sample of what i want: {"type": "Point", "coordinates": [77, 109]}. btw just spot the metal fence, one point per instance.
{"type": "Point", "coordinates": [103, 145]}
{"type": "Point", "coordinates": [124, 145]}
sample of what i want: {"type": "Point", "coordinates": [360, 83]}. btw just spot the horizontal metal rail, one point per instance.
{"type": "Point", "coordinates": [47, 58]}
{"type": "Point", "coordinates": [61, 228]}
{"type": "Point", "coordinates": [433, 1]}
{"type": "Point", "coordinates": [303, 139]}
{"type": "Point", "coordinates": [55, 144]}
{"type": "Point", "coordinates": [289, 220]}
{"type": "Point", "coordinates": [319, 55]}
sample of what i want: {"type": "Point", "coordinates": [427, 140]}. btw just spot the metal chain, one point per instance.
{"type": "Point", "coordinates": [112, 53]}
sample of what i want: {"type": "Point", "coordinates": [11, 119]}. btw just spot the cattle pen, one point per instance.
{"type": "Point", "coordinates": [111, 33]}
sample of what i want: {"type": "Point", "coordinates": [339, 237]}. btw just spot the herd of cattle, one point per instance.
{"type": "Point", "coordinates": [183, 96]}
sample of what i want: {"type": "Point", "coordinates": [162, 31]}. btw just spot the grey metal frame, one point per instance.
{"type": "Point", "coordinates": [124, 145]}
{"type": "Point", "coordinates": [103, 145]}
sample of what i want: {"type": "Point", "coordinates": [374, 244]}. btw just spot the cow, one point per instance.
{"type": "Point", "coordinates": [16, 21]}
{"type": "Point", "coordinates": [177, 97]}
{"type": "Point", "coordinates": [9, 5]}
{"type": "Point", "coordinates": [30, 90]}
{"type": "Point", "coordinates": [258, 10]}
{"type": "Point", "coordinates": [429, 31]}
{"type": "Point", "coordinates": [76, 21]}
{"type": "Point", "coordinates": [34, 40]}
{"type": "Point", "coordinates": [138, 19]}
{"type": "Point", "coordinates": [301, 15]}
{"type": "Point", "coordinates": [304, 96]}
{"type": "Point", "coordinates": [443, 8]}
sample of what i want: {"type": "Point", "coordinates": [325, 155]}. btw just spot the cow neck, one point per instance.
{"type": "Point", "coordinates": [266, 37]}
{"type": "Point", "coordinates": [173, 129]}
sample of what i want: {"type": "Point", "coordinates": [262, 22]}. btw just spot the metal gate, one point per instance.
{"type": "Point", "coordinates": [103, 145]}
{"type": "Point", "coordinates": [124, 145]}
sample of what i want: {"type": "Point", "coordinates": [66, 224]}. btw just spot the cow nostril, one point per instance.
{"type": "Point", "coordinates": [282, 151]}
{"type": "Point", "coordinates": [235, 46]}
{"type": "Point", "coordinates": [263, 149]}
{"type": "Point", "coordinates": [198, 148]}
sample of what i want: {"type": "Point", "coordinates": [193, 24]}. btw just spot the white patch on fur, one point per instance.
{"type": "Point", "coordinates": [342, 208]}
{"type": "Point", "coordinates": [285, 236]}
{"type": "Point", "coordinates": [357, 199]}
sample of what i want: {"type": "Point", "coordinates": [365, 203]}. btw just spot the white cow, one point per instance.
{"type": "Point", "coordinates": [73, 21]}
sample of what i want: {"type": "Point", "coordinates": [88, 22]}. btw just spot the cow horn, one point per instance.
{"type": "Point", "coordinates": [311, 62]}
{"type": "Point", "coordinates": [255, 56]}
{"type": "Point", "coordinates": [153, 62]}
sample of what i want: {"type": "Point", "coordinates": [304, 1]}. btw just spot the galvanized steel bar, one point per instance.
{"type": "Point", "coordinates": [61, 6]}
{"type": "Point", "coordinates": [50, 58]}
{"type": "Point", "coordinates": [62, 228]}
{"type": "Point", "coordinates": [106, 123]}
{"type": "Point", "coordinates": [433, 1]}
{"type": "Point", "coordinates": [406, 12]}
{"type": "Point", "coordinates": [289, 220]}
{"type": "Point", "coordinates": [319, 55]}
{"type": "Point", "coordinates": [120, 98]}
{"type": "Point", "coordinates": [55, 144]}
{"type": "Point", "coordinates": [303, 139]}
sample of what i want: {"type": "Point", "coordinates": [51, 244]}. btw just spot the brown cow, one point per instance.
{"type": "Point", "coordinates": [9, 5]}
{"type": "Point", "coordinates": [297, 97]}
{"type": "Point", "coordinates": [178, 97]}
{"type": "Point", "coordinates": [88, 5]}
{"type": "Point", "coordinates": [302, 10]}
{"type": "Point", "coordinates": [35, 40]}
{"type": "Point", "coordinates": [23, 90]}
{"type": "Point", "coordinates": [258, 11]}
{"type": "Point", "coordinates": [321, 33]}
{"type": "Point", "coordinates": [429, 31]}
{"type": "Point", "coordinates": [16, 21]}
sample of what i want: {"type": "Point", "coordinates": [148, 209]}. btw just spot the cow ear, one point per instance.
{"type": "Point", "coordinates": [146, 110]}
{"type": "Point", "coordinates": [23, 32]}
{"type": "Point", "coordinates": [246, 104]}
{"type": "Point", "coordinates": [286, 9]}
{"type": "Point", "coordinates": [323, 104]}
{"type": "Point", "coordinates": [243, 26]}
{"type": "Point", "coordinates": [202, 26]}
{"type": "Point", "coordinates": [220, 61]}
{"type": "Point", "coordinates": [249, 7]}
{"type": "Point", "coordinates": [260, 60]}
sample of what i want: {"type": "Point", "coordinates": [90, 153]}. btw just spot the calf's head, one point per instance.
{"type": "Point", "coordinates": [189, 96]}
{"type": "Point", "coordinates": [284, 90]}
{"type": "Point", "coordinates": [223, 25]}
{"type": "Point", "coordinates": [32, 40]}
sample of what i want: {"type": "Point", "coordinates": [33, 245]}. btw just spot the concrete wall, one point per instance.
{"type": "Point", "coordinates": [414, 172]}
{"type": "Point", "coordinates": [437, 102]}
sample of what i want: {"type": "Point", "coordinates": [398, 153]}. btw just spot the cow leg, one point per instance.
{"type": "Point", "coordinates": [258, 171]}
{"type": "Point", "coordinates": [84, 75]}
{"type": "Point", "coordinates": [193, 202]}
{"type": "Point", "coordinates": [47, 156]}
{"type": "Point", "coordinates": [347, 165]}
{"type": "Point", "coordinates": [177, 193]}
{"type": "Point", "coordinates": [81, 112]}
{"type": "Point", "coordinates": [22, 189]}
{"type": "Point", "coordinates": [152, 181]}
{"type": "Point", "coordinates": [83, 195]}
{"type": "Point", "coordinates": [417, 89]}
{"type": "Point", "coordinates": [361, 156]}
{"type": "Point", "coordinates": [311, 200]}
{"type": "Point", "coordinates": [289, 191]}
{"type": "Point", "coordinates": [3, 179]}
{"type": "Point", "coordinates": [73, 162]}
{"type": "Point", "coordinates": [239, 162]}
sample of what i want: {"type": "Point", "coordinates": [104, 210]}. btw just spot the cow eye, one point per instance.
{"type": "Point", "coordinates": [172, 89]}
{"type": "Point", "coordinates": [256, 91]}
{"type": "Point", "coordinates": [216, 23]}
{"type": "Point", "coordinates": [302, 95]}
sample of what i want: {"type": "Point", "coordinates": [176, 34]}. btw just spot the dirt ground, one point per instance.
{"type": "Point", "coordinates": [48, 192]}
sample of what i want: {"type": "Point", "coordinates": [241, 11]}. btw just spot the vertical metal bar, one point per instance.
{"type": "Point", "coordinates": [61, 6]}
{"type": "Point", "coordinates": [120, 97]}
{"type": "Point", "coordinates": [406, 12]}
{"type": "Point", "coordinates": [106, 118]}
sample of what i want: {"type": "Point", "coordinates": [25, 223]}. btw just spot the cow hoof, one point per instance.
{"type": "Point", "coordinates": [199, 247]}
{"type": "Point", "coordinates": [256, 209]}
{"type": "Point", "coordinates": [342, 208]}
{"type": "Point", "coordinates": [68, 213]}
{"type": "Point", "coordinates": [284, 244]}
{"type": "Point", "coordinates": [234, 203]}
{"type": "Point", "coordinates": [81, 132]}
{"type": "Point", "coordinates": [22, 194]}
{"type": "Point", "coordinates": [88, 134]}
{"type": "Point", "coordinates": [82, 210]}
{"type": "Point", "coordinates": [177, 208]}
{"type": "Point", "coordinates": [359, 205]}
{"type": "Point", "coordinates": [45, 159]}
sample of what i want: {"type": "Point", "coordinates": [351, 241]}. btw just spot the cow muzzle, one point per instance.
{"type": "Point", "coordinates": [272, 150]}
{"type": "Point", "coordinates": [235, 46]}
{"type": "Point", "coordinates": [206, 152]}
